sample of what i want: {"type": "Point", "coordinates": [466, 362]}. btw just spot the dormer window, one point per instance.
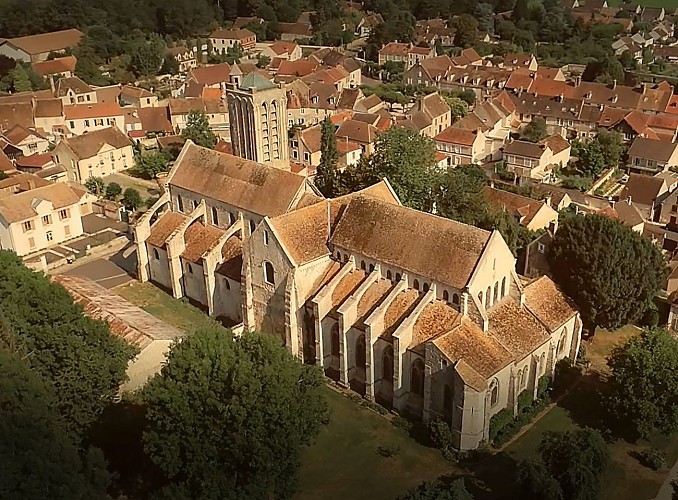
{"type": "Point", "coordinates": [314, 99]}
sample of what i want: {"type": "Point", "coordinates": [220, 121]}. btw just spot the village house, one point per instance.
{"type": "Point", "coordinates": [43, 166]}
{"type": "Point", "coordinates": [29, 141]}
{"type": "Point", "coordinates": [429, 116]}
{"type": "Point", "coordinates": [216, 111]}
{"type": "Point", "coordinates": [647, 193]}
{"type": "Point", "coordinates": [287, 51]}
{"type": "Point", "coordinates": [82, 118]}
{"type": "Point", "coordinates": [36, 214]}
{"type": "Point", "coordinates": [535, 162]}
{"type": "Point", "coordinates": [184, 57]}
{"type": "Point", "coordinates": [58, 67]}
{"type": "Point", "coordinates": [223, 40]}
{"type": "Point", "coordinates": [214, 76]}
{"type": "Point", "coordinates": [137, 97]}
{"type": "Point", "coordinates": [358, 132]}
{"type": "Point", "coordinates": [49, 116]}
{"type": "Point", "coordinates": [651, 156]}
{"type": "Point", "coordinates": [36, 48]}
{"type": "Point", "coordinates": [520, 61]}
{"type": "Point", "coordinates": [529, 213]}
{"type": "Point", "coordinates": [73, 90]}
{"type": "Point", "coordinates": [305, 146]}
{"type": "Point", "coordinates": [406, 53]}
{"type": "Point", "coordinates": [367, 24]}
{"type": "Point", "coordinates": [463, 147]}
{"type": "Point", "coordinates": [291, 32]}
{"type": "Point", "coordinates": [94, 154]}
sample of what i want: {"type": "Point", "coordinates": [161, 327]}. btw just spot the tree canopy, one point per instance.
{"type": "Point", "coordinates": [439, 490]}
{"type": "Point", "coordinates": [76, 356]}
{"type": "Point", "coordinates": [151, 163]}
{"type": "Point", "coordinates": [609, 270]}
{"type": "Point", "coordinates": [534, 131]}
{"type": "Point", "coordinates": [198, 129]}
{"type": "Point", "coordinates": [227, 418]}
{"type": "Point", "coordinates": [327, 177]}
{"type": "Point", "coordinates": [38, 459]}
{"type": "Point", "coordinates": [645, 382]}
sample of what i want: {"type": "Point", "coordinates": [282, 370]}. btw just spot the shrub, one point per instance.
{"type": "Point", "coordinates": [544, 387]}
{"type": "Point", "coordinates": [443, 439]}
{"type": "Point", "coordinates": [388, 451]}
{"type": "Point", "coordinates": [524, 400]}
{"type": "Point", "coordinates": [653, 458]}
{"type": "Point", "coordinates": [499, 421]}
{"type": "Point", "coordinates": [401, 423]}
{"type": "Point", "coordinates": [581, 355]}
{"type": "Point", "coordinates": [113, 190]}
{"type": "Point", "coordinates": [651, 316]}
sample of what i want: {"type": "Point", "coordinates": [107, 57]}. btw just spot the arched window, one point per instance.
{"type": "Point", "coordinates": [360, 352]}
{"type": "Point", "coordinates": [227, 284]}
{"type": "Point", "coordinates": [156, 255]}
{"type": "Point", "coordinates": [215, 216]}
{"type": "Point", "coordinates": [416, 284]}
{"type": "Point", "coordinates": [195, 204]}
{"type": "Point", "coordinates": [542, 363]}
{"type": "Point", "coordinates": [253, 226]}
{"type": "Point", "coordinates": [180, 203]}
{"type": "Point", "coordinates": [189, 267]}
{"type": "Point", "coordinates": [447, 399]}
{"type": "Point", "coordinates": [496, 292]}
{"type": "Point", "coordinates": [562, 341]}
{"type": "Point", "coordinates": [363, 266]}
{"type": "Point", "coordinates": [269, 273]}
{"type": "Point", "coordinates": [503, 287]}
{"type": "Point", "coordinates": [494, 392]}
{"type": "Point", "coordinates": [426, 287]}
{"type": "Point", "coordinates": [265, 237]}
{"type": "Point", "coordinates": [417, 377]}
{"type": "Point", "coordinates": [231, 218]}
{"type": "Point", "coordinates": [389, 275]}
{"type": "Point", "coordinates": [455, 299]}
{"type": "Point", "coordinates": [398, 277]}
{"type": "Point", "coordinates": [523, 377]}
{"type": "Point", "coordinates": [387, 364]}
{"type": "Point", "coordinates": [371, 267]}
{"type": "Point", "coordinates": [488, 297]}
{"type": "Point", "coordinates": [481, 298]}
{"type": "Point", "coordinates": [339, 256]}
{"type": "Point", "coordinates": [334, 340]}
{"type": "Point", "coordinates": [446, 296]}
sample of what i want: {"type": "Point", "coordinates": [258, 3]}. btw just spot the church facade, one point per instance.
{"type": "Point", "coordinates": [419, 313]}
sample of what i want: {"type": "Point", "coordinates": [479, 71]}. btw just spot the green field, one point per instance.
{"type": "Point", "coordinates": [669, 5]}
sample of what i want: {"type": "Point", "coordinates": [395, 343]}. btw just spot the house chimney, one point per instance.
{"type": "Point", "coordinates": [577, 81]}
{"type": "Point", "coordinates": [561, 97]}
{"type": "Point", "coordinates": [614, 84]}
{"type": "Point", "coordinates": [629, 200]}
{"type": "Point", "coordinates": [51, 84]}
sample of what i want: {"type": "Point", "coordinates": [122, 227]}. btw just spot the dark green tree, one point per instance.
{"type": "Point", "coordinates": [534, 131]}
{"type": "Point", "coordinates": [38, 458]}
{"type": "Point", "coordinates": [227, 418]}
{"type": "Point", "coordinates": [611, 145]}
{"type": "Point", "coordinates": [609, 270]}
{"type": "Point", "coordinates": [151, 163]}
{"type": "Point", "coordinates": [170, 66]}
{"type": "Point", "coordinates": [131, 198]}
{"type": "Point", "coordinates": [198, 129]}
{"type": "Point", "coordinates": [591, 161]}
{"type": "Point", "coordinates": [459, 194]}
{"type": "Point", "coordinates": [467, 31]}
{"type": "Point", "coordinates": [407, 159]}
{"type": "Point", "coordinates": [20, 80]}
{"type": "Point", "coordinates": [458, 106]}
{"type": "Point", "coordinates": [327, 177]}
{"type": "Point", "coordinates": [75, 355]}
{"type": "Point", "coordinates": [439, 490]}
{"type": "Point", "coordinates": [147, 55]}
{"type": "Point", "coordinates": [577, 460]}
{"type": "Point", "coordinates": [535, 482]}
{"type": "Point", "coordinates": [95, 185]}
{"type": "Point", "coordinates": [645, 382]}
{"type": "Point", "coordinates": [113, 190]}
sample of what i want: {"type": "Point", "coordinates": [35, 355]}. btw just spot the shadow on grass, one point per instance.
{"type": "Point", "coordinates": [493, 478]}
{"type": "Point", "coordinates": [118, 433]}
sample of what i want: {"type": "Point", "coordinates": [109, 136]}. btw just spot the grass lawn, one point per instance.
{"type": "Point", "coordinates": [343, 463]}
{"type": "Point", "coordinates": [625, 478]}
{"type": "Point", "coordinates": [162, 305]}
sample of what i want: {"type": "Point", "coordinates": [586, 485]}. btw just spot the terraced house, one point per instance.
{"type": "Point", "coordinates": [420, 313]}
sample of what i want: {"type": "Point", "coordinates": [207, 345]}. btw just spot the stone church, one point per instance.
{"type": "Point", "coordinates": [419, 313]}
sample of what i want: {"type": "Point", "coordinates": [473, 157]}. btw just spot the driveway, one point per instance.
{"type": "Point", "coordinates": [109, 272]}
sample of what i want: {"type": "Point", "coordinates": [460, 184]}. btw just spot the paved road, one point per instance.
{"type": "Point", "coordinates": [110, 271]}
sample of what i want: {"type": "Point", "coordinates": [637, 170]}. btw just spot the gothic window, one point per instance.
{"type": "Point", "coordinates": [231, 218]}
{"type": "Point", "coordinates": [360, 352]}
{"type": "Point", "coordinates": [503, 287]}
{"type": "Point", "coordinates": [227, 284]}
{"type": "Point", "coordinates": [156, 255]}
{"type": "Point", "coordinates": [455, 299]}
{"type": "Point", "coordinates": [494, 392]}
{"type": "Point", "coordinates": [496, 292]}
{"type": "Point", "coordinates": [389, 275]}
{"type": "Point", "coordinates": [523, 378]}
{"type": "Point", "coordinates": [417, 377]}
{"type": "Point", "coordinates": [446, 296]}
{"type": "Point", "coordinates": [269, 273]}
{"type": "Point", "coordinates": [363, 266]}
{"type": "Point", "coordinates": [371, 267]}
{"type": "Point", "coordinates": [335, 340]}
{"type": "Point", "coordinates": [416, 284]}
{"type": "Point", "coordinates": [480, 298]}
{"type": "Point", "coordinates": [180, 203]}
{"type": "Point", "coordinates": [447, 399]}
{"type": "Point", "coordinates": [387, 364]}
{"type": "Point", "coordinates": [426, 287]}
{"type": "Point", "coordinates": [398, 277]}
{"type": "Point", "coordinates": [562, 341]}
{"type": "Point", "coordinates": [265, 237]}
{"type": "Point", "coordinates": [488, 297]}
{"type": "Point", "coordinates": [253, 226]}
{"type": "Point", "coordinates": [215, 216]}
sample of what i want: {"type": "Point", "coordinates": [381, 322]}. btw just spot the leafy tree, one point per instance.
{"type": "Point", "coordinates": [645, 382]}
{"type": "Point", "coordinates": [170, 66]}
{"type": "Point", "coordinates": [458, 106]}
{"type": "Point", "coordinates": [327, 177]}
{"type": "Point", "coordinates": [38, 458]}
{"type": "Point", "coordinates": [606, 69]}
{"type": "Point", "coordinates": [263, 61]}
{"type": "Point", "coordinates": [611, 145]}
{"type": "Point", "coordinates": [147, 56]}
{"type": "Point", "coordinates": [132, 199]}
{"type": "Point", "coordinates": [113, 190]}
{"type": "Point", "coordinates": [484, 14]}
{"type": "Point", "coordinates": [87, 66]}
{"type": "Point", "coordinates": [438, 490]}
{"type": "Point", "coordinates": [577, 460]}
{"type": "Point", "coordinates": [95, 185]}
{"type": "Point", "coordinates": [150, 164]}
{"type": "Point", "coordinates": [535, 482]}
{"type": "Point", "coordinates": [20, 80]}
{"type": "Point", "coordinates": [75, 355]}
{"type": "Point", "coordinates": [459, 194]}
{"type": "Point", "coordinates": [467, 31]}
{"type": "Point", "coordinates": [234, 53]}
{"type": "Point", "coordinates": [228, 417]}
{"type": "Point", "coordinates": [407, 159]}
{"type": "Point", "coordinates": [591, 161]}
{"type": "Point", "coordinates": [534, 131]}
{"type": "Point", "coordinates": [609, 270]}
{"type": "Point", "coordinates": [198, 129]}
